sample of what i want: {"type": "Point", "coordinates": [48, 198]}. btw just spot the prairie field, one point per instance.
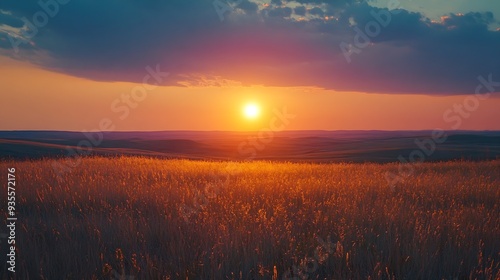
{"type": "Point", "coordinates": [144, 218]}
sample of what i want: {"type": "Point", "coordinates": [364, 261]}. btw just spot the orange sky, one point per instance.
{"type": "Point", "coordinates": [37, 99]}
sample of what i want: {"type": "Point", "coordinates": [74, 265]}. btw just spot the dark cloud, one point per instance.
{"type": "Point", "coordinates": [280, 12]}
{"type": "Point", "coordinates": [10, 20]}
{"type": "Point", "coordinates": [300, 10]}
{"type": "Point", "coordinates": [248, 7]}
{"type": "Point", "coordinates": [316, 11]}
{"type": "Point", "coordinates": [336, 3]}
{"type": "Point", "coordinates": [474, 21]}
{"type": "Point", "coordinates": [116, 39]}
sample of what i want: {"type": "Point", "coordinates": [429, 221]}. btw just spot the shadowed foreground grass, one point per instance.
{"type": "Point", "coordinates": [176, 219]}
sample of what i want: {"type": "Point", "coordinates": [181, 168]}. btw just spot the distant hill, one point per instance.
{"type": "Point", "coordinates": [310, 146]}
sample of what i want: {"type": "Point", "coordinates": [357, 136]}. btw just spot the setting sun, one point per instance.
{"type": "Point", "coordinates": [251, 111]}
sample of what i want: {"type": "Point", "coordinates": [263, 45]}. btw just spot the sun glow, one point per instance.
{"type": "Point", "coordinates": [251, 111]}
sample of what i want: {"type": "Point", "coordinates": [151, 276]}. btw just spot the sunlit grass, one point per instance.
{"type": "Point", "coordinates": [160, 219]}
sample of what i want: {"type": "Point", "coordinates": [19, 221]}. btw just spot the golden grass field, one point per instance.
{"type": "Point", "coordinates": [140, 218]}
